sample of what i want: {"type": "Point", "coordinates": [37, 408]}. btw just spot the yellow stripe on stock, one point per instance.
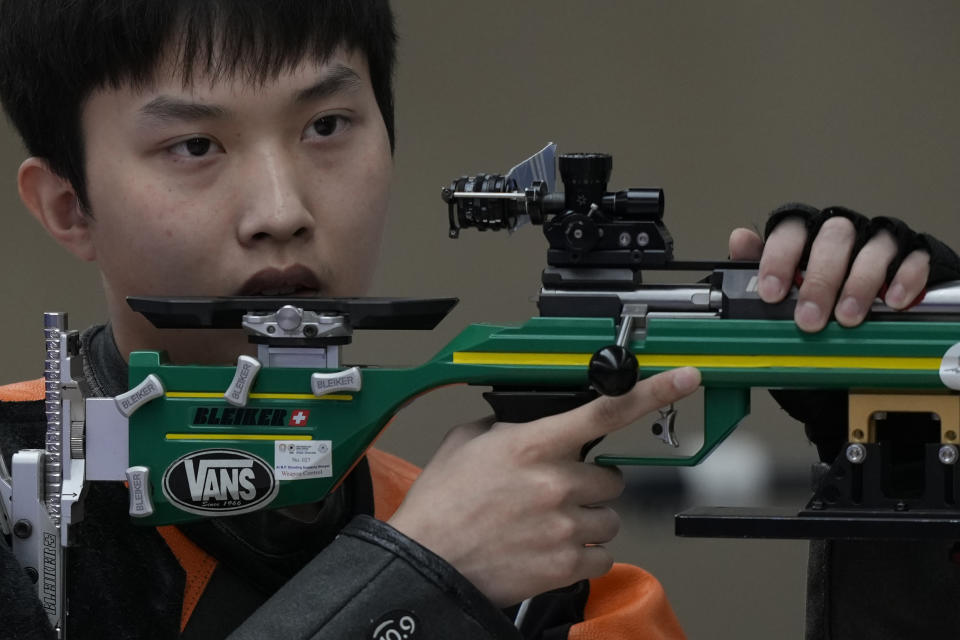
{"type": "Point", "coordinates": [703, 361]}
{"type": "Point", "coordinates": [235, 436]}
{"type": "Point", "coordinates": [213, 395]}
{"type": "Point", "coordinates": [526, 359]}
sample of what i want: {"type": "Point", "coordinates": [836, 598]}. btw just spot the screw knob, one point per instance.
{"type": "Point", "coordinates": [580, 232]}
{"type": "Point", "coordinates": [22, 529]}
{"type": "Point", "coordinates": [613, 370]}
{"type": "Point", "coordinates": [948, 454]}
{"type": "Point", "coordinates": [289, 317]}
{"type": "Point", "coordinates": [856, 453]}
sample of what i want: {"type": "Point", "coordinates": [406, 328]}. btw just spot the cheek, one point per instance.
{"type": "Point", "coordinates": [350, 206]}
{"type": "Point", "coordinates": [148, 240]}
{"type": "Point", "coordinates": [371, 201]}
{"type": "Point", "coordinates": [359, 232]}
{"type": "Point", "coordinates": [147, 220]}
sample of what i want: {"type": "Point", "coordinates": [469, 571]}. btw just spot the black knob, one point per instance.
{"type": "Point", "coordinates": [613, 370]}
{"type": "Point", "coordinates": [580, 232]}
{"type": "Point", "coordinates": [22, 529]}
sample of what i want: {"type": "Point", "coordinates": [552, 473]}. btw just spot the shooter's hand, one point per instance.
{"type": "Point", "coordinates": [513, 508]}
{"type": "Point", "coordinates": [844, 241]}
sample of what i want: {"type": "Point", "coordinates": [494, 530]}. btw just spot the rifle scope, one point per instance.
{"type": "Point", "coordinates": [585, 225]}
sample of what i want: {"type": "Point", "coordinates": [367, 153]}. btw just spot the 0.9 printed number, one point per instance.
{"type": "Point", "coordinates": [396, 625]}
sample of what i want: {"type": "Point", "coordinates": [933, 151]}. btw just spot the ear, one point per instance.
{"type": "Point", "coordinates": [53, 202]}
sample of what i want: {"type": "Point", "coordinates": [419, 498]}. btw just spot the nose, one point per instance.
{"type": "Point", "coordinates": [271, 202]}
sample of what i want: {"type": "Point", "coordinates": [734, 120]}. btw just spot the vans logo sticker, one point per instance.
{"type": "Point", "coordinates": [219, 482]}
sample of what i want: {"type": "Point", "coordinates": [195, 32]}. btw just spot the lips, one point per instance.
{"type": "Point", "coordinates": [294, 280]}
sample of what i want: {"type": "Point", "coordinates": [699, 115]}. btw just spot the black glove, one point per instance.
{"type": "Point", "coordinates": [824, 411]}
{"type": "Point", "coordinates": [944, 263]}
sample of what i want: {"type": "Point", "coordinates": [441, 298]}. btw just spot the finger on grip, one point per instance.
{"type": "Point", "coordinates": [597, 524]}
{"type": "Point", "coordinates": [596, 484]}
{"type": "Point", "coordinates": [595, 561]}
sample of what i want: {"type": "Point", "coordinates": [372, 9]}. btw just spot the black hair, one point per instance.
{"type": "Point", "coordinates": [55, 53]}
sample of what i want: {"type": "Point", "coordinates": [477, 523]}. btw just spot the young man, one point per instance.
{"type": "Point", "coordinates": [244, 148]}
{"type": "Point", "coordinates": [224, 148]}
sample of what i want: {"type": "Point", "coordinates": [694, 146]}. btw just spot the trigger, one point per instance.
{"type": "Point", "coordinates": [663, 427]}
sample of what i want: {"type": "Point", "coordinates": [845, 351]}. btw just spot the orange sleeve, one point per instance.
{"type": "Point", "coordinates": [392, 477]}
{"type": "Point", "coordinates": [22, 391]}
{"type": "Point", "coordinates": [197, 565]}
{"type": "Point", "coordinates": [627, 603]}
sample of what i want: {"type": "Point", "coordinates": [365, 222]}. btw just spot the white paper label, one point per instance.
{"type": "Point", "coordinates": [302, 459]}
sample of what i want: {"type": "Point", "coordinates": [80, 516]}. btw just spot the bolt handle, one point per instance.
{"type": "Point", "coordinates": [613, 370]}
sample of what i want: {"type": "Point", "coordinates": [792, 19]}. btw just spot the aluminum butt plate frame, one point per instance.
{"type": "Point", "coordinates": [108, 449]}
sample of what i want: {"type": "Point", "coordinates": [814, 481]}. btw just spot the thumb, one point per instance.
{"type": "Point", "coordinates": [745, 244]}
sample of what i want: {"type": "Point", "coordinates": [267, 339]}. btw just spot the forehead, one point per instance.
{"type": "Point", "coordinates": [344, 70]}
{"type": "Point", "coordinates": [173, 74]}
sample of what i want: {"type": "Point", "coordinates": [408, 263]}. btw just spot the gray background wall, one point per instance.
{"type": "Point", "coordinates": [731, 107]}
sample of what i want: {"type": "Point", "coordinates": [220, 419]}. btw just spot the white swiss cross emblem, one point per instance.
{"type": "Point", "coordinates": [299, 418]}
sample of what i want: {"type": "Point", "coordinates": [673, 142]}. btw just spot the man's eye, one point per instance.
{"type": "Point", "coordinates": [194, 147]}
{"type": "Point", "coordinates": [326, 126]}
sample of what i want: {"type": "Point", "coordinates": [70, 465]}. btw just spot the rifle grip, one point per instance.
{"type": "Point", "coordinates": [527, 405]}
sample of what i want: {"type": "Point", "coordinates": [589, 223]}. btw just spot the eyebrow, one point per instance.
{"type": "Point", "coordinates": [166, 109]}
{"type": "Point", "coordinates": [340, 78]}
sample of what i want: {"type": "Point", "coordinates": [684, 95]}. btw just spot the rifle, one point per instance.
{"type": "Point", "coordinates": [287, 426]}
